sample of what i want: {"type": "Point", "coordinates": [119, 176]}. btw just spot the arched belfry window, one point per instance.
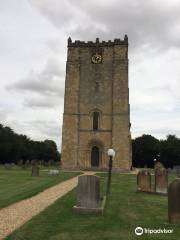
{"type": "Point", "coordinates": [95, 120]}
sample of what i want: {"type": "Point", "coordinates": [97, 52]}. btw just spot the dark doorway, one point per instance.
{"type": "Point", "coordinates": [95, 156]}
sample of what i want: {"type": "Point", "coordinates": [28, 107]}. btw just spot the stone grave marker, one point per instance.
{"type": "Point", "coordinates": [158, 165]}
{"type": "Point", "coordinates": [174, 201]}
{"type": "Point", "coordinates": [161, 180]}
{"type": "Point", "coordinates": [177, 169]}
{"type": "Point", "coordinates": [88, 195]}
{"type": "Point", "coordinates": [27, 163]}
{"type": "Point", "coordinates": [35, 168]}
{"type": "Point", "coordinates": [8, 166]}
{"type": "Point", "coordinates": [20, 162]}
{"type": "Point", "coordinates": [23, 166]}
{"type": "Point", "coordinates": [53, 172]}
{"type": "Point", "coordinates": [169, 170]}
{"type": "Point", "coordinates": [144, 181]}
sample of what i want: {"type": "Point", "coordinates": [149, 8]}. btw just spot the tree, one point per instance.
{"type": "Point", "coordinates": [144, 150]}
{"type": "Point", "coordinates": [170, 151]}
{"type": "Point", "coordinates": [14, 147]}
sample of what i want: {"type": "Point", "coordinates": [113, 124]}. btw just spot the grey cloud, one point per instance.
{"type": "Point", "coordinates": [165, 131]}
{"type": "Point", "coordinates": [43, 102]}
{"type": "Point", "coordinates": [39, 129]}
{"type": "Point", "coordinates": [148, 22]}
{"type": "Point", "coordinates": [47, 130]}
{"type": "Point", "coordinates": [50, 81]}
{"type": "Point", "coordinates": [145, 22]}
{"type": "Point", "coordinates": [56, 45]}
{"type": "Point", "coordinates": [3, 114]}
{"type": "Point", "coordinates": [43, 89]}
{"type": "Point", "coordinates": [60, 13]}
{"type": "Point", "coordinates": [160, 133]}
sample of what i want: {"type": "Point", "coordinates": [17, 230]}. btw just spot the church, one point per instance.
{"type": "Point", "coordinates": [96, 105]}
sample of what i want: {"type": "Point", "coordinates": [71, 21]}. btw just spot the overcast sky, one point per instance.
{"type": "Point", "coordinates": [33, 45]}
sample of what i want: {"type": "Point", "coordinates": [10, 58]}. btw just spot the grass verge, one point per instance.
{"type": "Point", "coordinates": [17, 184]}
{"type": "Point", "coordinates": [125, 210]}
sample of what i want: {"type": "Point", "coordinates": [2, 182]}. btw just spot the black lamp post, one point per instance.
{"type": "Point", "coordinates": [111, 154]}
{"type": "Point", "coordinates": [158, 156]}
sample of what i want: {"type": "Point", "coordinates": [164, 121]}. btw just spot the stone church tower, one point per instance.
{"type": "Point", "coordinates": [96, 105]}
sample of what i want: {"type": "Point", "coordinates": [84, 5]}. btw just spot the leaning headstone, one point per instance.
{"type": "Point", "coordinates": [88, 195]}
{"type": "Point", "coordinates": [174, 201]}
{"type": "Point", "coordinates": [161, 180]}
{"type": "Point", "coordinates": [35, 168]}
{"type": "Point", "coordinates": [53, 172]}
{"type": "Point", "coordinates": [144, 181]}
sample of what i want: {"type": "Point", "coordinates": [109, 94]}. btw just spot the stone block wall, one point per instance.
{"type": "Point", "coordinates": [102, 88]}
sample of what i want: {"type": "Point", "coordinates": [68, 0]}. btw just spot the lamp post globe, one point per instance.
{"type": "Point", "coordinates": [111, 152]}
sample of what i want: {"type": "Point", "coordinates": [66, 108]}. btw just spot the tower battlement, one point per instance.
{"type": "Point", "coordinates": [117, 41]}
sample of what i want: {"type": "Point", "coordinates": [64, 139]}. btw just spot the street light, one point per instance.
{"type": "Point", "coordinates": [111, 154]}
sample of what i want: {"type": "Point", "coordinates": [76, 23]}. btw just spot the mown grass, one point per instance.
{"type": "Point", "coordinates": [125, 210]}
{"type": "Point", "coordinates": [17, 184]}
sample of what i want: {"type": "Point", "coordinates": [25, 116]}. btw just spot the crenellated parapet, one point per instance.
{"type": "Point", "coordinates": [97, 43]}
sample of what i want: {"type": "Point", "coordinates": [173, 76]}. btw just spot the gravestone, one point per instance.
{"type": "Point", "coordinates": [35, 168]}
{"type": "Point", "coordinates": [144, 181]}
{"type": "Point", "coordinates": [23, 166]}
{"type": "Point", "coordinates": [161, 180]}
{"type": "Point", "coordinates": [88, 195]}
{"type": "Point", "coordinates": [20, 162]}
{"type": "Point", "coordinates": [169, 170]}
{"type": "Point", "coordinates": [174, 201]}
{"type": "Point", "coordinates": [177, 169]}
{"type": "Point", "coordinates": [158, 165]}
{"type": "Point", "coordinates": [27, 163]}
{"type": "Point", "coordinates": [53, 172]}
{"type": "Point", "coordinates": [49, 162]}
{"type": "Point", "coordinates": [8, 166]}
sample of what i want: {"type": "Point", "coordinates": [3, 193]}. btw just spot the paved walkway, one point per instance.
{"type": "Point", "coordinates": [15, 215]}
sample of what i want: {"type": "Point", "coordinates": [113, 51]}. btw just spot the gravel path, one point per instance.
{"type": "Point", "coordinates": [15, 215]}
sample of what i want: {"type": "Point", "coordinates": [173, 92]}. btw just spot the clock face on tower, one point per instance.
{"type": "Point", "coordinates": [96, 58]}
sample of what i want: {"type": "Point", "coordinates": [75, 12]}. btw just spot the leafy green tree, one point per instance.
{"type": "Point", "coordinates": [144, 150]}
{"type": "Point", "coordinates": [170, 151]}
{"type": "Point", "coordinates": [14, 147]}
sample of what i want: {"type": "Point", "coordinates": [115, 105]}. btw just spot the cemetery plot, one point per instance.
{"type": "Point", "coordinates": [17, 184]}
{"type": "Point", "coordinates": [125, 210]}
{"type": "Point", "coordinates": [160, 179]}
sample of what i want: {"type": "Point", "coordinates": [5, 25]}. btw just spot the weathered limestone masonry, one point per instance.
{"type": "Point", "coordinates": [96, 105]}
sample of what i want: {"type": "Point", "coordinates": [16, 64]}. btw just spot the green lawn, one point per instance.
{"type": "Point", "coordinates": [17, 184]}
{"type": "Point", "coordinates": [125, 210]}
